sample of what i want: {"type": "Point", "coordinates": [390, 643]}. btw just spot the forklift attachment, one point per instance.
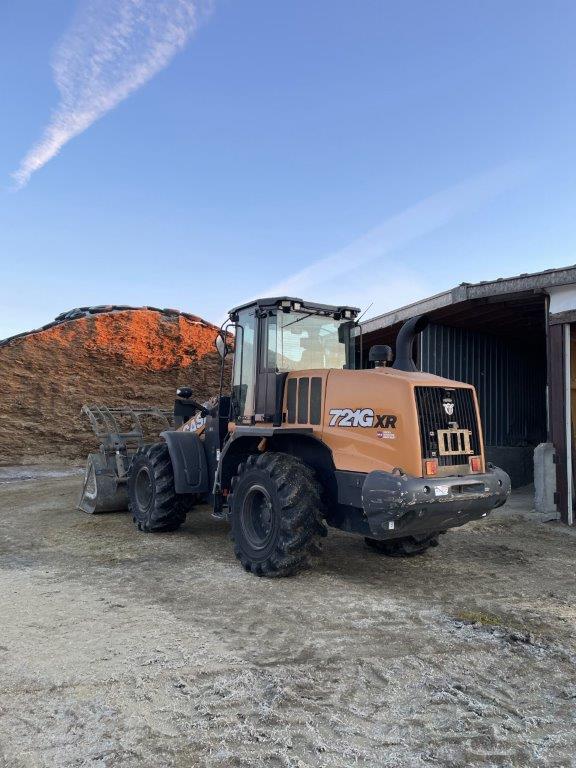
{"type": "Point", "coordinates": [122, 430]}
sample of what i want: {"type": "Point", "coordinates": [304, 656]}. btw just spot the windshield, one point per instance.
{"type": "Point", "coordinates": [298, 341]}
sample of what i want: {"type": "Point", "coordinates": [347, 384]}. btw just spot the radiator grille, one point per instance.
{"type": "Point", "coordinates": [432, 416]}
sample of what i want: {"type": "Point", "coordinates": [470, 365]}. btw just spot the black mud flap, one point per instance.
{"type": "Point", "coordinates": [188, 462]}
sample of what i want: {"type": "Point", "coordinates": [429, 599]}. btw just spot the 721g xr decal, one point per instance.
{"type": "Point", "coordinates": [361, 417]}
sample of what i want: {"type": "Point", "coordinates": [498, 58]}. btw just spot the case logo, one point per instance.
{"type": "Point", "coordinates": [448, 406]}
{"type": "Point", "coordinates": [361, 417]}
{"type": "Point", "coordinates": [194, 424]}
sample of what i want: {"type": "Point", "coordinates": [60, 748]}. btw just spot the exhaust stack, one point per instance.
{"type": "Point", "coordinates": [404, 341]}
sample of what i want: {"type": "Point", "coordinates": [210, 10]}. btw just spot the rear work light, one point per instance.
{"type": "Point", "coordinates": [475, 463]}
{"type": "Point", "coordinates": [431, 467]}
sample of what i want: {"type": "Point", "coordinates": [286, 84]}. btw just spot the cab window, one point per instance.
{"type": "Point", "coordinates": [244, 364]}
{"type": "Point", "coordinates": [297, 341]}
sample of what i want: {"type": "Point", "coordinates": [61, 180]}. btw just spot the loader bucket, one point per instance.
{"type": "Point", "coordinates": [102, 490]}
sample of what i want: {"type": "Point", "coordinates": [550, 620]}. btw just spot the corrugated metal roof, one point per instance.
{"type": "Point", "coordinates": [532, 282]}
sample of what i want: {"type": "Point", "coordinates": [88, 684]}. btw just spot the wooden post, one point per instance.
{"type": "Point", "coordinates": [568, 421]}
{"type": "Point", "coordinates": [557, 410]}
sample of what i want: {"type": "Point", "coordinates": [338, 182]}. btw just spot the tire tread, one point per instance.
{"type": "Point", "coordinates": [302, 514]}
{"type": "Point", "coordinates": [169, 511]}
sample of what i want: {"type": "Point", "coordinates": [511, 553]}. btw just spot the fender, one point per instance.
{"type": "Point", "coordinates": [299, 441]}
{"type": "Point", "coordinates": [188, 459]}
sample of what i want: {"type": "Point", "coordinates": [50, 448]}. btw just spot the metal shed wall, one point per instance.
{"type": "Point", "coordinates": [510, 380]}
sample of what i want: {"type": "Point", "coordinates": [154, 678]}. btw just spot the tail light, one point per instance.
{"type": "Point", "coordinates": [475, 463]}
{"type": "Point", "coordinates": [431, 467]}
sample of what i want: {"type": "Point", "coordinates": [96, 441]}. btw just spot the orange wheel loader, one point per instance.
{"type": "Point", "coordinates": [303, 440]}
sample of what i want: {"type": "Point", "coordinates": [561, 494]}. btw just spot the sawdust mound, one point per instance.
{"type": "Point", "coordinates": [129, 356]}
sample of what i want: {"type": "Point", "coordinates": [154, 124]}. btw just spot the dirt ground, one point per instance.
{"type": "Point", "coordinates": [127, 649]}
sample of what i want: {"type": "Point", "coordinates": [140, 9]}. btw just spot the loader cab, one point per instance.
{"type": "Point", "coordinates": [278, 335]}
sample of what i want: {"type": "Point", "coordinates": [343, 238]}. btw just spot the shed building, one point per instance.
{"type": "Point", "coordinates": [515, 340]}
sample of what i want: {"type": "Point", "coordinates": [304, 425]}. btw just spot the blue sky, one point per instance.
{"type": "Point", "coordinates": [350, 152]}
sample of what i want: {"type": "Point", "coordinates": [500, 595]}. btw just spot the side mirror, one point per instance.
{"type": "Point", "coordinates": [221, 345]}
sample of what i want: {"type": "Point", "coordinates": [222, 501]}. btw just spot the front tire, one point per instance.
{"type": "Point", "coordinates": [409, 546]}
{"type": "Point", "coordinates": [153, 502]}
{"type": "Point", "coordinates": [276, 514]}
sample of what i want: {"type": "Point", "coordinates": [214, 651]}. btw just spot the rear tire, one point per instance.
{"type": "Point", "coordinates": [276, 514]}
{"type": "Point", "coordinates": [153, 502]}
{"type": "Point", "coordinates": [408, 546]}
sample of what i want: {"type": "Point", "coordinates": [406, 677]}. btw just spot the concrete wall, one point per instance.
{"type": "Point", "coordinates": [545, 478]}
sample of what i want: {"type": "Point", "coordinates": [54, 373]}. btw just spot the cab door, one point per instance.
{"type": "Point", "coordinates": [244, 378]}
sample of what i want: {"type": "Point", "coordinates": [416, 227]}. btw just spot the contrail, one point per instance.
{"type": "Point", "coordinates": [421, 219]}
{"type": "Point", "coordinates": [111, 49]}
{"type": "Point", "coordinates": [330, 278]}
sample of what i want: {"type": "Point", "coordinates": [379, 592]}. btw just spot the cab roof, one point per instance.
{"type": "Point", "coordinates": [276, 302]}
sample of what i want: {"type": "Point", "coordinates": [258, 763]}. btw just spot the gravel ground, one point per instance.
{"type": "Point", "coordinates": [126, 649]}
